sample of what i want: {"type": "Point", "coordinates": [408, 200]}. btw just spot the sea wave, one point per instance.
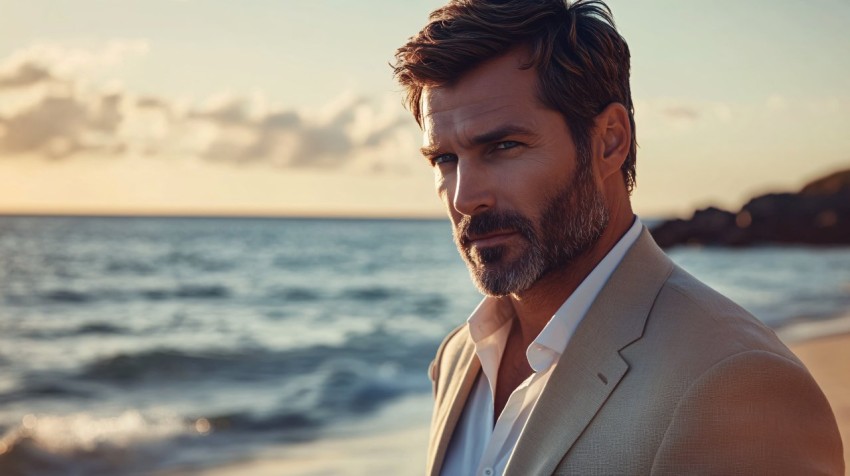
{"type": "Point", "coordinates": [288, 423]}
{"type": "Point", "coordinates": [350, 386]}
{"type": "Point", "coordinates": [142, 442]}
{"type": "Point", "coordinates": [163, 365]}
{"type": "Point", "coordinates": [84, 444]}
{"type": "Point", "coordinates": [45, 389]}
{"type": "Point", "coordinates": [127, 267]}
{"type": "Point", "coordinates": [84, 329]}
{"type": "Point", "coordinates": [258, 364]}
{"type": "Point", "coordinates": [70, 296]}
{"type": "Point", "coordinates": [188, 291]}
{"type": "Point", "coordinates": [372, 293]}
{"type": "Point", "coordinates": [295, 294]}
{"type": "Point", "coordinates": [295, 262]}
{"type": "Point", "coordinates": [195, 260]}
{"type": "Point", "coordinates": [254, 331]}
{"type": "Point", "coordinates": [67, 296]}
{"type": "Point", "coordinates": [431, 305]}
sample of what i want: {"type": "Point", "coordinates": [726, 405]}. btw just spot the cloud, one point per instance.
{"type": "Point", "coordinates": [285, 137]}
{"type": "Point", "coordinates": [223, 112]}
{"type": "Point", "coordinates": [681, 112]}
{"type": "Point", "coordinates": [63, 60]}
{"type": "Point", "coordinates": [152, 103]}
{"type": "Point", "coordinates": [58, 126]}
{"type": "Point", "coordinates": [23, 75]}
{"type": "Point", "coordinates": [65, 116]}
{"type": "Point", "coordinates": [51, 128]}
{"type": "Point", "coordinates": [665, 115]}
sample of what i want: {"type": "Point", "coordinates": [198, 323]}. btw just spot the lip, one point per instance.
{"type": "Point", "coordinates": [491, 239]}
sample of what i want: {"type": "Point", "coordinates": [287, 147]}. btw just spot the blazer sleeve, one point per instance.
{"type": "Point", "coordinates": [755, 412]}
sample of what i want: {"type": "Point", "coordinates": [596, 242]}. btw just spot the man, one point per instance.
{"type": "Point", "coordinates": [592, 353]}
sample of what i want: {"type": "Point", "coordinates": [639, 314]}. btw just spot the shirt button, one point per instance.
{"type": "Point", "coordinates": [488, 471]}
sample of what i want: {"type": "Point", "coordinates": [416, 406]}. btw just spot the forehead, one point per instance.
{"type": "Point", "coordinates": [495, 91]}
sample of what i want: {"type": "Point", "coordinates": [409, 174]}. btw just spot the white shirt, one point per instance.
{"type": "Point", "coordinates": [477, 446]}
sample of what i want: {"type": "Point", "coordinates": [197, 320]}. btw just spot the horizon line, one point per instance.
{"type": "Point", "coordinates": [209, 215]}
{"type": "Point", "coordinates": [244, 216]}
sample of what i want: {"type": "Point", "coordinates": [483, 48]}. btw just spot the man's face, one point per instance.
{"type": "Point", "coordinates": [508, 171]}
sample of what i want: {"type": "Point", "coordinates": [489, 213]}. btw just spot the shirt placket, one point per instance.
{"type": "Point", "coordinates": [494, 455]}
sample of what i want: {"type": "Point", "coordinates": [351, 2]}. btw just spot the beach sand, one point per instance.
{"type": "Point", "coordinates": [828, 359]}
{"type": "Point", "coordinates": [400, 452]}
{"type": "Point", "coordinates": [399, 449]}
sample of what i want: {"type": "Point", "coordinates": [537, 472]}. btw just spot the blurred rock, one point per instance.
{"type": "Point", "coordinates": [818, 215]}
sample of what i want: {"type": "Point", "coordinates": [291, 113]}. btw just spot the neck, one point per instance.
{"type": "Point", "coordinates": [536, 305]}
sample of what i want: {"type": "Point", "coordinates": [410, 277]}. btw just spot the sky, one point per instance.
{"type": "Point", "coordinates": [280, 107]}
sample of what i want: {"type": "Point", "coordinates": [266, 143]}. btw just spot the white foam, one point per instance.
{"type": "Point", "coordinates": [65, 434]}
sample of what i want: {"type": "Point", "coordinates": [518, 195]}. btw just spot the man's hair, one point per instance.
{"type": "Point", "coordinates": [581, 61]}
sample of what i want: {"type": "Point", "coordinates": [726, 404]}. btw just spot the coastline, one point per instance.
{"type": "Point", "coordinates": [395, 441]}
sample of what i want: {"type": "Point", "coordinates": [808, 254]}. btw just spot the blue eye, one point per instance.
{"type": "Point", "coordinates": [508, 144]}
{"type": "Point", "coordinates": [442, 159]}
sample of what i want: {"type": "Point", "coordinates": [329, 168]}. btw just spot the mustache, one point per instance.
{"type": "Point", "coordinates": [492, 222]}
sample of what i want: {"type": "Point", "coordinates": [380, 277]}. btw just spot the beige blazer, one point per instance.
{"type": "Point", "coordinates": [663, 376]}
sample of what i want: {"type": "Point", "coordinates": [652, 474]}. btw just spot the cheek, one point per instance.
{"type": "Point", "coordinates": [440, 186]}
{"type": "Point", "coordinates": [524, 179]}
{"type": "Point", "coordinates": [532, 186]}
{"type": "Point", "coordinates": [445, 190]}
{"type": "Point", "coordinates": [443, 185]}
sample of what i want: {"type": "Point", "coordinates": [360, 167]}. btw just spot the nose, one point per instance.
{"type": "Point", "coordinates": [472, 192]}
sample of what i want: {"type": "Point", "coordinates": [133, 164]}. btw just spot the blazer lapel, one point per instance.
{"type": "Point", "coordinates": [591, 366]}
{"type": "Point", "coordinates": [450, 409]}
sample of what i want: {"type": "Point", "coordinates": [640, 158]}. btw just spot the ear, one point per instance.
{"type": "Point", "coordinates": [613, 134]}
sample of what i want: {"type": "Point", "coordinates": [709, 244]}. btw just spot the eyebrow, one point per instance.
{"type": "Point", "coordinates": [498, 134]}
{"type": "Point", "coordinates": [485, 138]}
{"type": "Point", "coordinates": [429, 150]}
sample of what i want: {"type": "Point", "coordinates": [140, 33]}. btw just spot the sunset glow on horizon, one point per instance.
{"type": "Point", "coordinates": [289, 108]}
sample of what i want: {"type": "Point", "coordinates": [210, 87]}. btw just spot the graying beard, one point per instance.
{"type": "Point", "coordinates": [584, 233]}
{"type": "Point", "coordinates": [502, 282]}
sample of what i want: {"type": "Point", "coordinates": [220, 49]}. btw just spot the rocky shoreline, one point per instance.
{"type": "Point", "coordinates": [819, 214]}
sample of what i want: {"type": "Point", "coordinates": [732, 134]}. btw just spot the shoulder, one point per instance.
{"type": "Point", "coordinates": [744, 403]}
{"type": "Point", "coordinates": [699, 322]}
{"type": "Point", "coordinates": [754, 412]}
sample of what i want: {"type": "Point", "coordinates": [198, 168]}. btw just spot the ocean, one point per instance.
{"type": "Point", "coordinates": [156, 345]}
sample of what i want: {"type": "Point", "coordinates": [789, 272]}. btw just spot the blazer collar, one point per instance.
{"type": "Point", "coordinates": [591, 366]}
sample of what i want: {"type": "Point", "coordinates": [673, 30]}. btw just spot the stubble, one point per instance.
{"type": "Point", "coordinates": [570, 223]}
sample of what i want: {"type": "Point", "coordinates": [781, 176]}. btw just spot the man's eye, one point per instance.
{"type": "Point", "coordinates": [443, 159]}
{"type": "Point", "coordinates": [508, 144]}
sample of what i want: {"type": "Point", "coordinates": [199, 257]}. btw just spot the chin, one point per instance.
{"type": "Point", "coordinates": [502, 279]}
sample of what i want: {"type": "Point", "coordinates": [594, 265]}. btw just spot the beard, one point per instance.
{"type": "Point", "coordinates": [571, 222]}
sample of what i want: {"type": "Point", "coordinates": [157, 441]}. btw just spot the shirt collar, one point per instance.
{"type": "Point", "coordinates": [489, 326]}
{"type": "Point", "coordinates": [553, 339]}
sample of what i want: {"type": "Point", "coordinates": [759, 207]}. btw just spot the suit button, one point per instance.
{"type": "Point", "coordinates": [488, 471]}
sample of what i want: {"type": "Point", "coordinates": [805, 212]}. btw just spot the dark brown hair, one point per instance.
{"type": "Point", "coordinates": [581, 61]}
